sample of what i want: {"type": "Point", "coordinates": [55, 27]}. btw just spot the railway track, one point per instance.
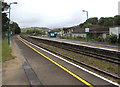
{"type": "Point", "coordinates": [91, 54]}
{"type": "Point", "coordinates": [103, 57]}
{"type": "Point", "coordinates": [76, 61]}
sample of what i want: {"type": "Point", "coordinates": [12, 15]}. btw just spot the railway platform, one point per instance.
{"type": "Point", "coordinates": [104, 46]}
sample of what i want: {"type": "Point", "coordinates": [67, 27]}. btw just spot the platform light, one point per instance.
{"type": "Point", "coordinates": [9, 31]}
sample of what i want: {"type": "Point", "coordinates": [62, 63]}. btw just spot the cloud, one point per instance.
{"type": "Point", "coordinates": [59, 13]}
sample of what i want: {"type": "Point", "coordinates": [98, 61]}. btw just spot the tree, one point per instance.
{"type": "Point", "coordinates": [5, 6]}
{"type": "Point", "coordinates": [112, 38]}
{"type": "Point", "coordinates": [93, 20]}
{"type": "Point", "coordinates": [89, 22]}
{"type": "Point", "coordinates": [4, 17]}
{"type": "Point", "coordinates": [106, 21]}
{"type": "Point", "coordinates": [87, 25]}
{"type": "Point", "coordinates": [15, 28]}
{"type": "Point", "coordinates": [109, 21]}
{"type": "Point", "coordinates": [101, 21]}
{"type": "Point", "coordinates": [81, 25]}
{"type": "Point", "coordinates": [117, 20]}
{"type": "Point", "coordinates": [4, 22]}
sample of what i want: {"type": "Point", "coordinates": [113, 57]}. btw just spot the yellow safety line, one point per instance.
{"type": "Point", "coordinates": [71, 73]}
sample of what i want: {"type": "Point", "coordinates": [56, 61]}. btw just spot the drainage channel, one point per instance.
{"type": "Point", "coordinates": [31, 75]}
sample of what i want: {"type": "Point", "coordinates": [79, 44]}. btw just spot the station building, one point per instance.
{"type": "Point", "coordinates": [94, 32]}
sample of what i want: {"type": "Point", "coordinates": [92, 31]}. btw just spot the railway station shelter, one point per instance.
{"type": "Point", "coordinates": [52, 34]}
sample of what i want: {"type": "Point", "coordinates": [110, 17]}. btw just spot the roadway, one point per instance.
{"type": "Point", "coordinates": [42, 68]}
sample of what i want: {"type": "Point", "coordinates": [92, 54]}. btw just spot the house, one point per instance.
{"type": "Point", "coordinates": [94, 31]}
{"type": "Point", "coordinates": [79, 32]}
{"type": "Point", "coordinates": [68, 31]}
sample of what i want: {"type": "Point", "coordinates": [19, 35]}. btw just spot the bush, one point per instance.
{"type": "Point", "coordinates": [100, 38]}
{"type": "Point", "coordinates": [34, 32]}
{"type": "Point", "coordinates": [119, 40]}
{"type": "Point", "coordinates": [63, 37]}
{"type": "Point", "coordinates": [79, 37]}
{"type": "Point", "coordinates": [112, 38]}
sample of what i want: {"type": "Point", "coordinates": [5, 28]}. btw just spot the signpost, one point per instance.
{"type": "Point", "coordinates": [87, 32]}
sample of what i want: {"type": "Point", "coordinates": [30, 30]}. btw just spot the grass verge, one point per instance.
{"type": "Point", "coordinates": [6, 51]}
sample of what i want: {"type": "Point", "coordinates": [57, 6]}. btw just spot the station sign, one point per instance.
{"type": "Point", "coordinates": [86, 29]}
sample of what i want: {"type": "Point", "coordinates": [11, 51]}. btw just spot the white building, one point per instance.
{"type": "Point", "coordinates": [115, 30]}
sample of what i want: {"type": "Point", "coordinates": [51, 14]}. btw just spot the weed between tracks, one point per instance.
{"type": "Point", "coordinates": [103, 65]}
{"type": "Point", "coordinates": [112, 68]}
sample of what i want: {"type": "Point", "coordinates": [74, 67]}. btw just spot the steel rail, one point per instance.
{"type": "Point", "coordinates": [79, 62]}
{"type": "Point", "coordinates": [86, 53]}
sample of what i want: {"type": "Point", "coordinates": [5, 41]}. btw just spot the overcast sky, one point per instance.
{"type": "Point", "coordinates": [59, 13]}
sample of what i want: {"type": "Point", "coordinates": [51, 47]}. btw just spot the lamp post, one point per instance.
{"type": "Point", "coordinates": [86, 29]}
{"type": "Point", "coordinates": [86, 12]}
{"type": "Point", "coordinates": [9, 31]}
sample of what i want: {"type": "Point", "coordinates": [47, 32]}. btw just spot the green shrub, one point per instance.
{"type": "Point", "coordinates": [112, 38]}
{"type": "Point", "coordinates": [63, 37]}
{"type": "Point", "coordinates": [119, 40]}
{"type": "Point", "coordinates": [100, 38]}
{"type": "Point", "coordinates": [79, 37]}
